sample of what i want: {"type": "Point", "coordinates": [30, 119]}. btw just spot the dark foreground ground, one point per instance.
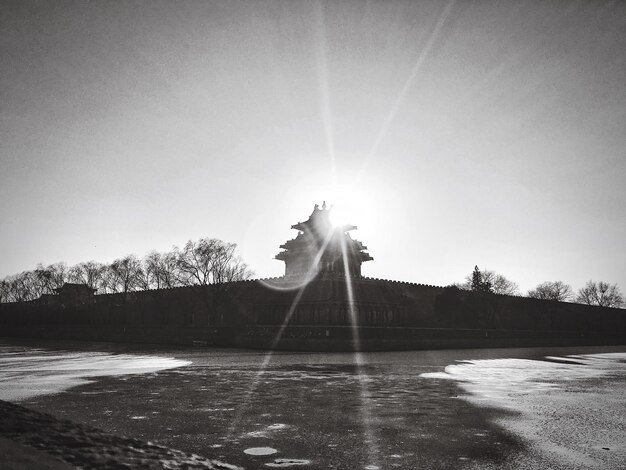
{"type": "Point", "coordinates": [54, 443]}
{"type": "Point", "coordinates": [314, 411]}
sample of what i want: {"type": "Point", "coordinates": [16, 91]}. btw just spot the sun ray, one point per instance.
{"type": "Point", "coordinates": [321, 60]}
{"type": "Point", "coordinates": [399, 101]}
{"type": "Point", "coordinates": [365, 395]}
{"type": "Point", "coordinates": [268, 356]}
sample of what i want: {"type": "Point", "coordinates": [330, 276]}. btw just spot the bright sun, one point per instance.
{"type": "Point", "coordinates": [366, 203]}
{"type": "Point", "coordinates": [348, 206]}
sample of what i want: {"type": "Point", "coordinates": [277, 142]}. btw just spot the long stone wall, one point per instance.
{"type": "Point", "coordinates": [321, 316]}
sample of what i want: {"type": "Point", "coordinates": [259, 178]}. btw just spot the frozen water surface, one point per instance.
{"type": "Point", "coordinates": [563, 408]}
{"type": "Point", "coordinates": [558, 408]}
{"type": "Point", "coordinates": [26, 373]}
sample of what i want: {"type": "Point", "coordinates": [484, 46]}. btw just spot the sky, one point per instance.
{"type": "Point", "coordinates": [452, 134]}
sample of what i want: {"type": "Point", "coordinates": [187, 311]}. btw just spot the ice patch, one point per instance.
{"type": "Point", "coordinates": [559, 409]}
{"type": "Point", "coordinates": [496, 380]}
{"type": "Point", "coordinates": [267, 431]}
{"type": "Point", "coordinates": [260, 451]}
{"type": "Point", "coordinates": [27, 373]}
{"type": "Point", "coordinates": [277, 426]}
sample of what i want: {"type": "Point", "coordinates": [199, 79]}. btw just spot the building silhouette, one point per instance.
{"type": "Point", "coordinates": [322, 249]}
{"type": "Point", "coordinates": [323, 303]}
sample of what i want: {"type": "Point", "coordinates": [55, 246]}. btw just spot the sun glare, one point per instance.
{"type": "Point", "coordinates": [371, 204]}
{"type": "Point", "coordinates": [347, 206]}
{"type": "Point", "coordinates": [339, 216]}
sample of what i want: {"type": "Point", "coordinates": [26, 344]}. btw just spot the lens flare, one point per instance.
{"type": "Point", "coordinates": [288, 284]}
{"type": "Point", "coordinates": [365, 395]}
{"type": "Point", "coordinates": [268, 357]}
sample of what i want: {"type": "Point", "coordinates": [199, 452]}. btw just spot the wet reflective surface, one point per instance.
{"type": "Point", "coordinates": [440, 409]}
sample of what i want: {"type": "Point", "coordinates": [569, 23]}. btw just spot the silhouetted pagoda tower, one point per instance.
{"type": "Point", "coordinates": [317, 249]}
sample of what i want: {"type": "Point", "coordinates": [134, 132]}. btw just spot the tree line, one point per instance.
{"type": "Point", "coordinates": [212, 261]}
{"type": "Point", "coordinates": [203, 262]}
{"type": "Point", "coordinates": [599, 293]}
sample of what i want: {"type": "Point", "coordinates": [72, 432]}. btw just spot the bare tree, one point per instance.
{"type": "Point", "coordinates": [210, 261]}
{"type": "Point", "coordinates": [207, 261]}
{"type": "Point", "coordinates": [23, 287]}
{"type": "Point", "coordinates": [58, 274]}
{"type": "Point", "coordinates": [161, 270]}
{"type": "Point", "coordinates": [552, 290]}
{"type": "Point", "coordinates": [47, 279]}
{"type": "Point", "coordinates": [90, 273]}
{"type": "Point", "coordinates": [108, 280]}
{"type": "Point", "coordinates": [600, 293]}
{"type": "Point", "coordinates": [489, 281]}
{"type": "Point", "coordinates": [196, 261]}
{"type": "Point", "coordinates": [237, 271]}
{"type": "Point", "coordinates": [124, 274]}
{"type": "Point", "coordinates": [5, 291]}
{"type": "Point", "coordinates": [151, 269]}
{"type": "Point", "coordinates": [41, 281]}
{"type": "Point", "coordinates": [224, 262]}
{"type": "Point", "coordinates": [500, 284]}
